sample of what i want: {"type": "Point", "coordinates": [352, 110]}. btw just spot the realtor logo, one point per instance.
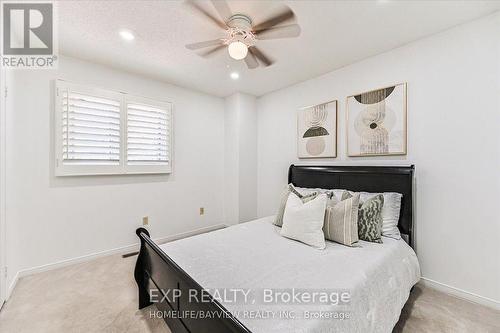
{"type": "Point", "coordinates": [28, 35]}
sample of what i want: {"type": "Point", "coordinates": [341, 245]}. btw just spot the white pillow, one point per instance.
{"type": "Point", "coordinates": [304, 221]}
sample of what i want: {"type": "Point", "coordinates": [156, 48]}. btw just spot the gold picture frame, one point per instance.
{"type": "Point", "coordinates": [381, 143]}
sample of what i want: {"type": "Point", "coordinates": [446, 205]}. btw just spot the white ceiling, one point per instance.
{"type": "Point", "coordinates": [334, 34]}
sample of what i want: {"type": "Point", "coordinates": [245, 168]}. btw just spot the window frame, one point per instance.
{"type": "Point", "coordinates": [62, 170]}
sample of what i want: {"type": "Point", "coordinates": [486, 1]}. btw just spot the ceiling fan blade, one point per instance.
{"type": "Point", "coordinates": [251, 60]}
{"type": "Point", "coordinates": [265, 60]}
{"type": "Point", "coordinates": [285, 31]}
{"type": "Point", "coordinates": [200, 45]}
{"type": "Point", "coordinates": [213, 50]}
{"type": "Point", "coordinates": [222, 9]}
{"type": "Point", "coordinates": [200, 10]}
{"type": "Point", "coordinates": [283, 15]}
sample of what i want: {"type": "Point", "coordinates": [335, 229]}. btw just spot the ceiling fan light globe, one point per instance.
{"type": "Point", "coordinates": [237, 50]}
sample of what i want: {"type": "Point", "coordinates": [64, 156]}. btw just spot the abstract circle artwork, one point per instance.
{"type": "Point", "coordinates": [317, 127]}
{"type": "Point", "coordinates": [377, 122]}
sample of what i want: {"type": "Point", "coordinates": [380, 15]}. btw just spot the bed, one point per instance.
{"type": "Point", "coordinates": [216, 282]}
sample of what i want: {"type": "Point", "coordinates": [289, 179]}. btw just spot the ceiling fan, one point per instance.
{"type": "Point", "coordinates": [241, 35]}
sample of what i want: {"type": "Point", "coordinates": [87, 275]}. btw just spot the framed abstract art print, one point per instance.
{"type": "Point", "coordinates": [317, 131]}
{"type": "Point", "coordinates": [376, 122]}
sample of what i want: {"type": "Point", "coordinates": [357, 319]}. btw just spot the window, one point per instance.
{"type": "Point", "coordinates": [104, 132]}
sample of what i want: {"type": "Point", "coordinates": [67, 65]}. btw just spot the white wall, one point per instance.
{"type": "Point", "coordinates": [454, 117]}
{"type": "Point", "coordinates": [241, 158]}
{"type": "Point", "coordinates": [50, 219]}
{"type": "Point", "coordinates": [248, 158]}
{"type": "Point", "coordinates": [231, 159]}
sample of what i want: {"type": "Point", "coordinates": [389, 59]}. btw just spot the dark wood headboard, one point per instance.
{"type": "Point", "coordinates": [362, 179]}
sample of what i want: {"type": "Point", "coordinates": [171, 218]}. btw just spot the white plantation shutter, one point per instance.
{"type": "Point", "coordinates": [101, 132]}
{"type": "Point", "coordinates": [148, 135]}
{"type": "Point", "coordinates": [90, 129]}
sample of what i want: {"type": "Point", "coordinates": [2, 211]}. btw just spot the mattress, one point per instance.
{"type": "Point", "coordinates": [257, 274]}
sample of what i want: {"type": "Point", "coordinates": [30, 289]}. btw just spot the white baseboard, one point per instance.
{"type": "Point", "coordinates": [189, 233]}
{"type": "Point", "coordinates": [119, 250]}
{"type": "Point", "coordinates": [491, 303]}
{"type": "Point", "coordinates": [11, 287]}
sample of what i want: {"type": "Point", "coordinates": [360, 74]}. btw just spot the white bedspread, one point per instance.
{"type": "Point", "coordinates": [253, 256]}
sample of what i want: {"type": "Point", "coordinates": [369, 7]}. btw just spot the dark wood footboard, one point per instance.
{"type": "Point", "coordinates": [162, 282]}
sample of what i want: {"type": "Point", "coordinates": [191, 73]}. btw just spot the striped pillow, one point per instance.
{"type": "Point", "coordinates": [341, 220]}
{"type": "Point", "coordinates": [284, 198]}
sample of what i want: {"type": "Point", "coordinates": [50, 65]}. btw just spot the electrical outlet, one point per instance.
{"type": "Point", "coordinates": [202, 211]}
{"type": "Point", "coordinates": [145, 220]}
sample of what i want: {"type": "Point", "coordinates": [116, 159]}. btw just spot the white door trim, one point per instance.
{"type": "Point", "coordinates": [3, 191]}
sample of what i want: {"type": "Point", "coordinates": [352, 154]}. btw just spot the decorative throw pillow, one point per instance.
{"type": "Point", "coordinates": [303, 221]}
{"type": "Point", "coordinates": [341, 220]}
{"type": "Point", "coordinates": [346, 195]}
{"type": "Point", "coordinates": [370, 219]}
{"type": "Point", "coordinates": [390, 212]}
{"type": "Point", "coordinates": [284, 197]}
{"type": "Point", "coordinates": [308, 190]}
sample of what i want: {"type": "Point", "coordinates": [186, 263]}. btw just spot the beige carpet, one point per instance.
{"type": "Point", "coordinates": [100, 296]}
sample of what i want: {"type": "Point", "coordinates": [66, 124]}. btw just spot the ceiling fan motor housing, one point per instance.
{"type": "Point", "coordinates": [240, 29]}
{"type": "Point", "coordinates": [239, 21]}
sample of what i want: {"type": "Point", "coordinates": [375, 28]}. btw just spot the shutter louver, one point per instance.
{"type": "Point", "coordinates": [148, 135]}
{"type": "Point", "coordinates": [90, 129]}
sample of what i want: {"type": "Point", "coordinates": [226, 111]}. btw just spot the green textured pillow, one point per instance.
{"type": "Point", "coordinates": [284, 198]}
{"type": "Point", "coordinates": [370, 219]}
